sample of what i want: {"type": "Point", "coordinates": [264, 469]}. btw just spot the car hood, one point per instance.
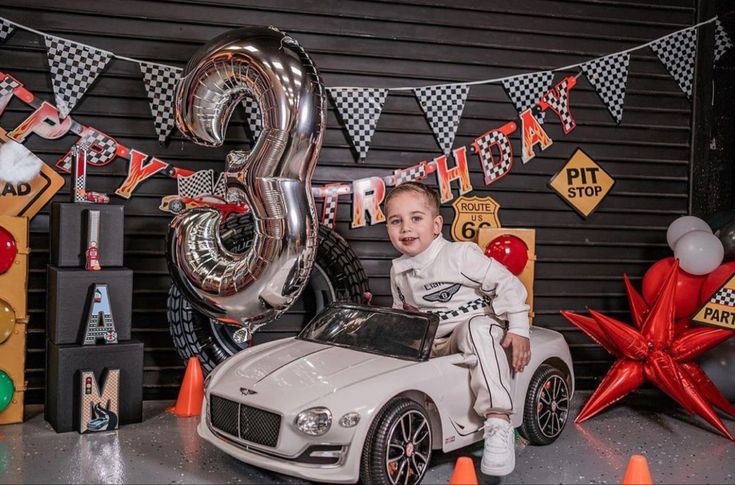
{"type": "Point", "coordinates": [301, 371]}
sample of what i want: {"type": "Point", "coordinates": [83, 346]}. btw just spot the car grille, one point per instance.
{"type": "Point", "coordinates": [244, 422]}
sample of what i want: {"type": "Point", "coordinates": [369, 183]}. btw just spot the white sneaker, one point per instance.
{"type": "Point", "coordinates": [499, 456]}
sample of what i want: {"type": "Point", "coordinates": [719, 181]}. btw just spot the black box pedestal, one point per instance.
{"type": "Point", "coordinates": [69, 290]}
{"type": "Point", "coordinates": [69, 234]}
{"type": "Point", "coordinates": [63, 387]}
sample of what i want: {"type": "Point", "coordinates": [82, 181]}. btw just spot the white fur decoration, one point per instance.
{"type": "Point", "coordinates": [17, 163]}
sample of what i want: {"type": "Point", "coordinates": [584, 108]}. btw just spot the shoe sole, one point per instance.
{"type": "Point", "coordinates": [498, 471]}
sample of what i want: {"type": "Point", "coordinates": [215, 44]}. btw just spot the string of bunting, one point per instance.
{"type": "Point", "coordinates": [74, 68]}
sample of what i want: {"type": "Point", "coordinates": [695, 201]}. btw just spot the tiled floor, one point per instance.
{"type": "Point", "coordinates": [164, 449]}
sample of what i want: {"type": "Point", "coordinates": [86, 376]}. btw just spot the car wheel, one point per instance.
{"type": "Point", "coordinates": [398, 445]}
{"type": "Point", "coordinates": [546, 409]}
{"type": "Point", "coordinates": [337, 275]}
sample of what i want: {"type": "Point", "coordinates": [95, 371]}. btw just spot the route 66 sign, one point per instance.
{"type": "Point", "coordinates": [472, 213]}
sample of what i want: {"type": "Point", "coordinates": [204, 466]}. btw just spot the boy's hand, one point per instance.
{"type": "Point", "coordinates": [521, 347]}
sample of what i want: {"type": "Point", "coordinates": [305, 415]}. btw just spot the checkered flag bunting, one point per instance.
{"type": "Point", "coordinates": [722, 40]}
{"type": "Point", "coordinates": [74, 67]}
{"type": "Point", "coordinates": [196, 184]}
{"type": "Point", "coordinates": [525, 91]}
{"type": "Point", "coordinates": [443, 106]}
{"type": "Point", "coordinates": [484, 146]}
{"type": "Point", "coordinates": [677, 52]}
{"type": "Point", "coordinates": [725, 296]}
{"type": "Point", "coordinates": [360, 109]}
{"type": "Point", "coordinates": [608, 76]}
{"type": "Point", "coordinates": [410, 174]}
{"type": "Point", "coordinates": [253, 116]}
{"type": "Point", "coordinates": [6, 28]}
{"type": "Point", "coordinates": [160, 83]}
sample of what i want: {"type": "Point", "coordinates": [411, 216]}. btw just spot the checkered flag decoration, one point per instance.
{"type": "Point", "coordinates": [722, 40]}
{"type": "Point", "coordinates": [253, 116]}
{"type": "Point", "coordinates": [525, 91]}
{"type": "Point", "coordinates": [608, 76]}
{"type": "Point", "coordinates": [220, 187]}
{"type": "Point", "coordinates": [677, 52]}
{"type": "Point", "coordinates": [160, 84]}
{"type": "Point", "coordinates": [196, 184]}
{"type": "Point", "coordinates": [74, 67]}
{"type": "Point", "coordinates": [360, 109]}
{"type": "Point", "coordinates": [6, 28]}
{"type": "Point", "coordinates": [443, 106]}
{"type": "Point", "coordinates": [725, 296]}
{"type": "Point", "coordinates": [410, 174]}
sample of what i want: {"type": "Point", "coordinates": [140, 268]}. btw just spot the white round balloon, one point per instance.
{"type": "Point", "coordinates": [683, 225]}
{"type": "Point", "coordinates": [699, 252]}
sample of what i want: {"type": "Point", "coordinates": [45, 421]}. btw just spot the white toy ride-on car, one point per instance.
{"type": "Point", "coordinates": [356, 396]}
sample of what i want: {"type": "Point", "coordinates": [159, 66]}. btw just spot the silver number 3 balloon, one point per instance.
{"type": "Point", "coordinates": [274, 178]}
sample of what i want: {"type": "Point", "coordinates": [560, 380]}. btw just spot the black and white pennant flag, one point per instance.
{"type": "Point", "coordinates": [526, 90]}
{"type": "Point", "coordinates": [677, 52]}
{"type": "Point", "coordinates": [722, 40]}
{"type": "Point", "coordinates": [608, 76]}
{"type": "Point", "coordinates": [360, 109]}
{"type": "Point", "coordinates": [443, 106]}
{"type": "Point", "coordinates": [74, 67]}
{"type": "Point", "coordinates": [160, 84]}
{"type": "Point", "coordinates": [6, 28]}
{"type": "Point", "coordinates": [253, 116]}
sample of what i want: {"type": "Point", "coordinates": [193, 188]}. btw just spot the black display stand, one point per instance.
{"type": "Point", "coordinates": [70, 289]}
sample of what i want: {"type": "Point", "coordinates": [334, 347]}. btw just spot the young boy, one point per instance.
{"type": "Point", "coordinates": [472, 295]}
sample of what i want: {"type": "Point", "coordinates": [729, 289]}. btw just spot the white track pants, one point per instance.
{"type": "Point", "coordinates": [481, 336]}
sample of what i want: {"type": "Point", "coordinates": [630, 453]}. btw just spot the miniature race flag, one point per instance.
{"type": "Point", "coordinates": [197, 184]}
{"type": "Point", "coordinates": [74, 67]}
{"type": "Point", "coordinates": [608, 76]}
{"type": "Point", "coordinates": [160, 84]}
{"type": "Point", "coordinates": [526, 90]}
{"type": "Point", "coordinates": [359, 109]}
{"type": "Point", "coordinates": [677, 52]}
{"type": "Point", "coordinates": [6, 28]}
{"type": "Point", "coordinates": [719, 310]}
{"type": "Point", "coordinates": [253, 116]}
{"type": "Point", "coordinates": [722, 41]}
{"type": "Point", "coordinates": [443, 106]}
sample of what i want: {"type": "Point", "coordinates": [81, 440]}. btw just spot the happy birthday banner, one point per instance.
{"type": "Point", "coordinates": [75, 66]}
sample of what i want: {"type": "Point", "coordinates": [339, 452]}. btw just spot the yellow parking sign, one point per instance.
{"type": "Point", "coordinates": [582, 183]}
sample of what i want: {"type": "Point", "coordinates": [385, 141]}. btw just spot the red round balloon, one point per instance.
{"type": "Point", "coordinates": [8, 250]}
{"type": "Point", "coordinates": [686, 299]}
{"type": "Point", "coordinates": [714, 280]}
{"type": "Point", "coordinates": [509, 250]}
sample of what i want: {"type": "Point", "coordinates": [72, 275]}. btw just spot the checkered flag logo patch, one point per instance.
{"type": "Point", "coordinates": [525, 91]}
{"type": "Point", "coordinates": [359, 109]}
{"type": "Point", "coordinates": [443, 107]}
{"type": "Point", "coordinates": [677, 52]}
{"type": "Point", "coordinates": [253, 116]}
{"type": "Point", "coordinates": [196, 184]}
{"type": "Point", "coordinates": [608, 76]}
{"type": "Point", "coordinates": [74, 67]}
{"type": "Point", "coordinates": [160, 84]}
{"type": "Point", "coordinates": [725, 296]}
{"type": "Point", "coordinates": [722, 40]}
{"type": "Point", "coordinates": [6, 28]}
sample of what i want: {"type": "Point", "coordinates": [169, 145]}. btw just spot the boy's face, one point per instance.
{"type": "Point", "coordinates": [412, 226]}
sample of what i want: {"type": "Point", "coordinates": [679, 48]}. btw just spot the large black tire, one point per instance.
{"type": "Point", "coordinates": [546, 410]}
{"type": "Point", "coordinates": [386, 452]}
{"type": "Point", "coordinates": [337, 276]}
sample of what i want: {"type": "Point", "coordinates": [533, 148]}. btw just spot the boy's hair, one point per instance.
{"type": "Point", "coordinates": [432, 198]}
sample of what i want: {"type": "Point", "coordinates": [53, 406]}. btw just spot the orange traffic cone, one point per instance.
{"type": "Point", "coordinates": [191, 393]}
{"type": "Point", "coordinates": [637, 472]}
{"type": "Point", "coordinates": [464, 472]}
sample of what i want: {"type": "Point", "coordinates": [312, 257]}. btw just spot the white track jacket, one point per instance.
{"type": "Point", "coordinates": [457, 281]}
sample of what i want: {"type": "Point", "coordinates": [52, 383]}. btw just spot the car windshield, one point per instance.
{"type": "Point", "coordinates": [376, 330]}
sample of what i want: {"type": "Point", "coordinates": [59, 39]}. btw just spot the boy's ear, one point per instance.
{"type": "Point", "coordinates": [438, 223]}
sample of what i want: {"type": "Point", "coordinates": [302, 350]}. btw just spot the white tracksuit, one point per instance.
{"type": "Point", "coordinates": [472, 295]}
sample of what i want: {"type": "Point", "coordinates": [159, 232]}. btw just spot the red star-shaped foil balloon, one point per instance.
{"type": "Point", "coordinates": [653, 350]}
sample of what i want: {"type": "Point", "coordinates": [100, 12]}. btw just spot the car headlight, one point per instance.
{"type": "Point", "coordinates": [314, 421]}
{"type": "Point", "coordinates": [349, 420]}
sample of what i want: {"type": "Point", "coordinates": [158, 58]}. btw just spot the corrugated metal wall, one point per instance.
{"type": "Point", "coordinates": [389, 44]}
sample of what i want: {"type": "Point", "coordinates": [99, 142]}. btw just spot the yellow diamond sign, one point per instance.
{"type": "Point", "coordinates": [582, 183]}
